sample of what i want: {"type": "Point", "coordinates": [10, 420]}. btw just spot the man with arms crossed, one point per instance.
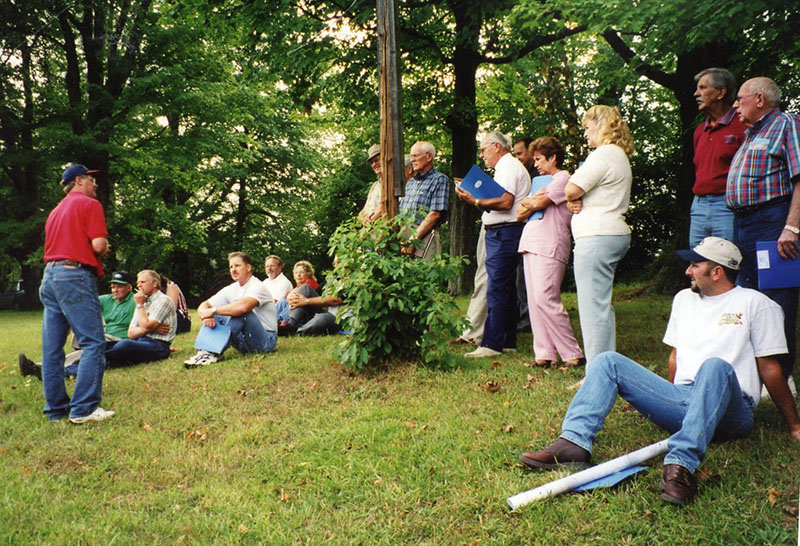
{"type": "Point", "coordinates": [725, 339]}
{"type": "Point", "coordinates": [246, 307]}
{"type": "Point", "coordinates": [74, 244]}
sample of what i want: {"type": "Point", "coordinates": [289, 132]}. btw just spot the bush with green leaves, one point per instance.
{"type": "Point", "coordinates": [397, 307]}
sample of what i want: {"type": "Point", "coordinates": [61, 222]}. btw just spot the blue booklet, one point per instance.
{"type": "Point", "coordinates": [213, 339]}
{"type": "Point", "coordinates": [537, 183]}
{"type": "Point", "coordinates": [773, 270]}
{"type": "Point", "coordinates": [480, 185]}
{"type": "Point", "coordinates": [610, 481]}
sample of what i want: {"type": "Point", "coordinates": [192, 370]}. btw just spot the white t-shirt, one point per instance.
{"type": "Point", "coordinates": [279, 287]}
{"type": "Point", "coordinates": [606, 178]}
{"type": "Point", "coordinates": [514, 178]}
{"type": "Point", "coordinates": [254, 288]}
{"type": "Point", "coordinates": [736, 326]}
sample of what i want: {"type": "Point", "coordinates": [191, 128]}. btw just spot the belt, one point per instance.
{"type": "Point", "coordinates": [760, 206]}
{"type": "Point", "coordinates": [72, 263]}
{"type": "Point", "coordinates": [499, 225]}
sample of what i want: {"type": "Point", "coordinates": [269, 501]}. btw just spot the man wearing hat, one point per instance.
{"type": "Point", "coordinates": [74, 245]}
{"type": "Point", "coordinates": [117, 308]}
{"type": "Point", "coordinates": [373, 208]}
{"type": "Point", "coordinates": [725, 340]}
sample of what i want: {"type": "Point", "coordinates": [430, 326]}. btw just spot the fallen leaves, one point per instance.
{"type": "Point", "coordinates": [492, 386]}
{"type": "Point", "coordinates": [772, 495]}
{"type": "Point", "coordinates": [284, 496]}
{"type": "Point", "coordinates": [508, 429]}
{"type": "Point", "coordinates": [197, 435]}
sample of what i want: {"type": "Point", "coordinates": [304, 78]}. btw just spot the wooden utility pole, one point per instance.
{"type": "Point", "coordinates": [392, 164]}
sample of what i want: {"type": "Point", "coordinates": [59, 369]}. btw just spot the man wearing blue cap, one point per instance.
{"type": "Point", "coordinates": [75, 243]}
{"type": "Point", "coordinates": [725, 340]}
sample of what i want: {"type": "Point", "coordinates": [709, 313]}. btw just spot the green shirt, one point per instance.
{"type": "Point", "coordinates": [117, 315]}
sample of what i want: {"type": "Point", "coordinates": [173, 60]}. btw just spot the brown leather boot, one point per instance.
{"type": "Point", "coordinates": [678, 485]}
{"type": "Point", "coordinates": [561, 453]}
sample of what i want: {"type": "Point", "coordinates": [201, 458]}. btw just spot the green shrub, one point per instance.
{"type": "Point", "coordinates": [398, 306]}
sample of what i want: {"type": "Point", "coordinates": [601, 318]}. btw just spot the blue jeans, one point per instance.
{"type": "Point", "coordinates": [694, 414]}
{"type": "Point", "coordinates": [70, 300]}
{"type": "Point", "coordinates": [710, 217]}
{"type": "Point", "coordinates": [596, 259]}
{"type": "Point", "coordinates": [128, 352]}
{"type": "Point", "coordinates": [766, 224]}
{"type": "Point", "coordinates": [282, 310]}
{"type": "Point", "coordinates": [247, 334]}
{"type": "Point", "coordinates": [502, 258]}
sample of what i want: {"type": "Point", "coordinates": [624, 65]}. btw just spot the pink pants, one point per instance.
{"type": "Point", "coordinates": [552, 333]}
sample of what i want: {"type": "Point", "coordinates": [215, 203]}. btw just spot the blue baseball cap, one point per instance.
{"type": "Point", "coordinates": [74, 171]}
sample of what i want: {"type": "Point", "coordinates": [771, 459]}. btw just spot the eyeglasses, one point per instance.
{"type": "Point", "coordinates": [740, 97]}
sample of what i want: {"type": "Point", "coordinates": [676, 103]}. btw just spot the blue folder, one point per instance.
{"type": "Point", "coordinates": [610, 481]}
{"type": "Point", "coordinates": [537, 183]}
{"type": "Point", "coordinates": [773, 270]}
{"type": "Point", "coordinates": [480, 185]}
{"type": "Point", "coordinates": [213, 339]}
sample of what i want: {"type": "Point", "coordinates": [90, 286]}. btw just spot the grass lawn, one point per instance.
{"type": "Point", "coordinates": [290, 448]}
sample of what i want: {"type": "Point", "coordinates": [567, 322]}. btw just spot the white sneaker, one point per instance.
{"type": "Point", "coordinates": [99, 414]}
{"type": "Point", "coordinates": [202, 358]}
{"type": "Point", "coordinates": [483, 352]}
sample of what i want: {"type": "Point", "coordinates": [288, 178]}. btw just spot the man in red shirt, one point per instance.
{"type": "Point", "coordinates": [715, 142]}
{"type": "Point", "coordinates": [75, 242]}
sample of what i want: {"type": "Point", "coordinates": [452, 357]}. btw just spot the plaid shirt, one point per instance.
{"type": "Point", "coordinates": [159, 307]}
{"type": "Point", "coordinates": [766, 163]}
{"type": "Point", "coordinates": [424, 193]}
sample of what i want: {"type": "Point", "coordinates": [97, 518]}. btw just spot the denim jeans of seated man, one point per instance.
{"type": "Point", "coordinates": [247, 334]}
{"type": "Point", "coordinates": [709, 217]}
{"type": "Point", "coordinates": [766, 224]}
{"type": "Point", "coordinates": [128, 352]}
{"type": "Point", "coordinates": [70, 300]}
{"type": "Point", "coordinates": [694, 414]}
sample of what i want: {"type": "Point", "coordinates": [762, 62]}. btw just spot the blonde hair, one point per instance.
{"type": "Point", "coordinates": [305, 265]}
{"type": "Point", "coordinates": [611, 128]}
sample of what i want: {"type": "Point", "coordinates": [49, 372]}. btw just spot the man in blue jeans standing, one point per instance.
{"type": "Point", "coordinates": [75, 243]}
{"type": "Point", "coordinates": [725, 339]}
{"type": "Point", "coordinates": [246, 307]}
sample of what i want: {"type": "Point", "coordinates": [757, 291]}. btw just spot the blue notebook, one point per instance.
{"type": "Point", "coordinates": [480, 185]}
{"type": "Point", "coordinates": [537, 183]}
{"type": "Point", "coordinates": [610, 481]}
{"type": "Point", "coordinates": [774, 271]}
{"type": "Point", "coordinates": [213, 339]}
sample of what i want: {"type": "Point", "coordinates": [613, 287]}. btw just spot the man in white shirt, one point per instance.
{"type": "Point", "coordinates": [245, 307]}
{"type": "Point", "coordinates": [725, 341]}
{"type": "Point", "coordinates": [502, 242]}
{"type": "Point", "coordinates": [276, 282]}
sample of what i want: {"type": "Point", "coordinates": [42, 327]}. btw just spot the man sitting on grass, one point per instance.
{"type": "Point", "coordinates": [245, 307]}
{"type": "Point", "coordinates": [725, 339]}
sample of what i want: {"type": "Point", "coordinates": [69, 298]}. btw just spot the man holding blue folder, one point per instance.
{"type": "Point", "coordinates": [242, 314]}
{"type": "Point", "coordinates": [502, 240]}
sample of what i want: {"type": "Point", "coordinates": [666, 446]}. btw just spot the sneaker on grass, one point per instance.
{"type": "Point", "coordinates": [202, 358]}
{"type": "Point", "coordinates": [99, 414]}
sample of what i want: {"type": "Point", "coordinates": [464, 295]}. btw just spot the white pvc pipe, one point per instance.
{"type": "Point", "coordinates": [568, 483]}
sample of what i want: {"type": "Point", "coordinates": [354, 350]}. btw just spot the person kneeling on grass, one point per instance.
{"type": "Point", "coordinates": [725, 339]}
{"type": "Point", "coordinates": [246, 310]}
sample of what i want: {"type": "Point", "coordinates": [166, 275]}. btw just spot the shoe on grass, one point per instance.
{"type": "Point", "coordinates": [99, 414]}
{"type": "Point", "coordinates": [483, 352]}
{"type": "Point", "coordinates": [561, 453]}
{"type": "Point", "coordinates": [29, 367]}
{"type": "Point", "coordinates": [677, 484]}
{"type": "Point", "coordinates": [202, 358]}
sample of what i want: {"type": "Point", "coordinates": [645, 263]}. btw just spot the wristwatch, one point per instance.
{"type": "Point", "coordinates": [793, 229]}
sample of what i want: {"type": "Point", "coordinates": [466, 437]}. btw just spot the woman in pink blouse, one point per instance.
{"type": "Point", "coordinates": [544, 246]}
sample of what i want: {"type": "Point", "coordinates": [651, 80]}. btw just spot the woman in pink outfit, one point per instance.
{"type": "Point", "coordinates": [544, 246]}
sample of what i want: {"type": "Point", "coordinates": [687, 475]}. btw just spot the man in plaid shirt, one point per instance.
{"type": "Point", "coordinates": [427, 198]}
{"type": "Point", "coordinates": [763, 192]}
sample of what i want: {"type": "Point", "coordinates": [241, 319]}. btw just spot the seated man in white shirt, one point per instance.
{"type": "Point", "coordinates": [245, 307]}
{"type": "Point", "coordinates": [276, 282]}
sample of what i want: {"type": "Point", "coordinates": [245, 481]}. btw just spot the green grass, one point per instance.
{"type": "Point", "coordinates": [290, 448]}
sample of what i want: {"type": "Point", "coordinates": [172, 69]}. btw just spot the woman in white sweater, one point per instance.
{"type": "Point", "coordinates": [598, 195]}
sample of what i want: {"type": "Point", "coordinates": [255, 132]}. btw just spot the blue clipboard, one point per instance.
{"type": "Point", "coordinates": [610, 481]}
{"type": "Point", "coordinates": [537, 183]}
{"type": "Point", "coordinates": [480, 185]}
{"type": "Point", "coordinates": [773, 270]}
{"type": "Point", "coordinates": [213, 339]}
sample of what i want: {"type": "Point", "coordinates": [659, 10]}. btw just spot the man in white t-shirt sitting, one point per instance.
{"type": "Point", "coordinates": [276, 282]}
{"type": "Point", "coordinates": [246, 307]}
{"type": "Point", "coordinates": [725, 339]}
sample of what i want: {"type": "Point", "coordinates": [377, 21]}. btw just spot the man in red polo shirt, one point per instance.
{"type": "Point", "coordinates": [75, 242]}
{"type": "Point", "coordinates": [715, 142]}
